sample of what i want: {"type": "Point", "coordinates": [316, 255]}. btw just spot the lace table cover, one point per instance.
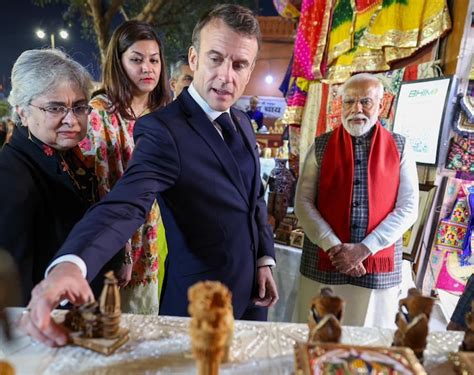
{"type": "Point", "coordinates": [161, 345]}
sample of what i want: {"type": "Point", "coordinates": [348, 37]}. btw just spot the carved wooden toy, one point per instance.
{"type": "Point", "coordinates": [212, 324]}
{"type": "Point", "coordinates": [324, 318]}
{"type": "Point", "coordinates": [412, 321]}
{"type": "Point", "coordinates": [96, 326]}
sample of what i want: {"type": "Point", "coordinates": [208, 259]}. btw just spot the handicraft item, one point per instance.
{"type": "Point", "coordinates": [281, 183]}
{"type": "Point", "coordinates": [328, 359]}
{"type": "Point", "coordinates": [412, 321]}
{"type": "Point", "coordinates": [96, 326]}
{"type": "Point", "coordinates": [324, 318]}
{"type": "Point", "coordinates": [212, 325]}
{"type": "Point", "coordinates": [464, 120]}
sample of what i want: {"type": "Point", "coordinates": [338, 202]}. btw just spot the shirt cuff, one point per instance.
{"type": "Point", "coordinates": [372, 244]}
{"type": "Point", "coordinates": [329, 241]}
{"type": "Point", "coordinates": [68, 258]}
{"type": "Point", "coordinates": [266, 261]}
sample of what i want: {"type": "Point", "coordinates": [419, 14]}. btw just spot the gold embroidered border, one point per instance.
{"type": "Point", "coordinates": [395, 38]}
{"type": "Point", "coordinates": [369, 61]}
{"type": "Point", "coordinates": [340, 49]}
{"type": "Point", "coordinates": [338, 74]}
{"type": "Point", "coordinates": [432, 29]}
{"type": "Point", "coordinates": [292, 115]}
{"type": "Point", "coordinates": [435, 27]}
{"type": "Point", "coordinates": [393, 54]}
{"type": "Point", "coordinates": [318, 57]}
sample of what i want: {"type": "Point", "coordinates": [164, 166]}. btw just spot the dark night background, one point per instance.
{"type": "Point", "coordinates": [19, 20]}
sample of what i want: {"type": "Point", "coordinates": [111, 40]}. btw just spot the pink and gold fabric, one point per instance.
{"type": "Point", "coordinates": [308, 63]}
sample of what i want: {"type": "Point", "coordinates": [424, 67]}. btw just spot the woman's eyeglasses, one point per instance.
{"type": "Point", "coordinates": [62, 111]}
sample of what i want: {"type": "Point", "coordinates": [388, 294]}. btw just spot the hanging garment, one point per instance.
{"type": "Point", "coordinates": [381, 32]}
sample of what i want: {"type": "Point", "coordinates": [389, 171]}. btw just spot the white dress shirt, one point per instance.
{"type": "Point", "coordinates": [385, 234]}
{"type": "Point", "coordinates": [212, 115]}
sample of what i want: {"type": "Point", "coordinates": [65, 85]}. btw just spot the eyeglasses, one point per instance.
{"type": "Point", "coordinates": [62, 111]}
{"type": "Point", "coordinates": [366, 103]}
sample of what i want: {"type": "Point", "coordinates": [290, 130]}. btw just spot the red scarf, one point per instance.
{"type": "Point", "coordinates": [336, 184]}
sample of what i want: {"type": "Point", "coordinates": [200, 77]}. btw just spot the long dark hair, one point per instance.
{"type": "Point", "coordinates": [116, 83]}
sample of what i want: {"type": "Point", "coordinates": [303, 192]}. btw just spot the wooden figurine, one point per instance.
{"type": "Point", "coordinates": [412, 321]}
{"type": "Point", "coordinates": [324, 318]}
{"type": "Point", "coordinates": [96, 326]}
{"type": "Point", "coordinates": [297, 238]}
{"type": "Point", "coordinates": [212, 324]}
{"type": "Point", "coordinates": [468, 341]}
{"type": "Point", "coordinates": [110, 307]}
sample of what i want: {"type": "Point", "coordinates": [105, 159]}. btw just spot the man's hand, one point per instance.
{"type": "Point", "coordinates": [348, 255]}
{"type": "Point", "coordinates": [267, 290]}
{"type": "Point", "coordinates": [124, 275]}
{"type": "Point", "coordinates": [65, 281]}
{"type": "Point", "coordinates": [357, 271]}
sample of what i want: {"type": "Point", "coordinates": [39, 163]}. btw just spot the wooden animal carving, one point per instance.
{"type": "Point", "coordinates": [412, 321]}
{"type": "Point", "coordinates": [324, 318]}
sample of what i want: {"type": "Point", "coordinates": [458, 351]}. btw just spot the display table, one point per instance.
{"type": "Point", "coordinates": [287, 273]}
{"type": "Point", "coordinates": [161, 345]}
{"type": "Point", "coordinates": [287, 276]}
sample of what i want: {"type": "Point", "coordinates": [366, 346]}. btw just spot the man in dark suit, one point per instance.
{"type": "Point", "coordinates": [200, 156]}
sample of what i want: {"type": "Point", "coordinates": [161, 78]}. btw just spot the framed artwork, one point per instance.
{"type": "Point", "coordinates": [419, 116]}
{"type": "Point", "coordinates": [412, 237]}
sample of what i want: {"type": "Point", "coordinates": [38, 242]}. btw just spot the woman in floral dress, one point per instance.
{"type": "Point", "coordinates": [134, 84]}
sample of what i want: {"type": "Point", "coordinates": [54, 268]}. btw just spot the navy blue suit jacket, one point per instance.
{"type": "Point", "coordinates": [214, 229]}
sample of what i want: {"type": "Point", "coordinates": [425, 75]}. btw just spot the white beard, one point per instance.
{"type": "Point", "coordinates": [358, 130]}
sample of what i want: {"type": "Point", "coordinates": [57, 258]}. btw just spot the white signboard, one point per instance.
{"type": "Point", "coordinates": [270, 106]}
{"type": "Point", "coordinates": [420, 114]}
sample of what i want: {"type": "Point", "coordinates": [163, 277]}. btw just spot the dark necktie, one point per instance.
{"type": "Point", "coordinates": [238, 149]}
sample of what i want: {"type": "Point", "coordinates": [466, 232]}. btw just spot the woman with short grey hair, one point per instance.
{"type": "Point", "coordinates": [46, 180]}
{"type": "Point", "coordinates": [37, 71]}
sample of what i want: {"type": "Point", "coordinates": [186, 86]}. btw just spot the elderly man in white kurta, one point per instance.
{"type": "Point", "coordinates": [356, 196]}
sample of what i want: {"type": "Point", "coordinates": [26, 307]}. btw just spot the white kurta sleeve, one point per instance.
{"type": "Point", "coordinates": [405, 212]}
{"type": "Point", "coordinates": [314, 226]}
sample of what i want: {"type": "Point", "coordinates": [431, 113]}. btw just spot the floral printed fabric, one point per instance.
{"type": "Point", "coordinates": [109, 142]}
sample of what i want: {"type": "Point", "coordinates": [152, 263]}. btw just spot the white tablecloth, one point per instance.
{"type": "Point", "coordinates": [161, 345]}
{"type": "Point", "coordinates": [287, 275]}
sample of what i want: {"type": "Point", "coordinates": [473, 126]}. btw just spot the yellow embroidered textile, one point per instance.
{"type": "Point", "coordinates": [357, 58]}
{"type": "Point", "coordinates": [407, 24]}
{"type": "Point", "coordinates": [388, 31]}
{"type": "Point", "coordinates": [341, 34]}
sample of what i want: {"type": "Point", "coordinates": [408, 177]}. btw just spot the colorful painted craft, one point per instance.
{"type": "Point", "coordinates": [327, 359]}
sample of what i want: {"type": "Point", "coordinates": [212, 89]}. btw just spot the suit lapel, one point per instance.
{"type": "Point", "coordinates": [246, 130]}
{"type": "Point", "coordinates": [206, 130]}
